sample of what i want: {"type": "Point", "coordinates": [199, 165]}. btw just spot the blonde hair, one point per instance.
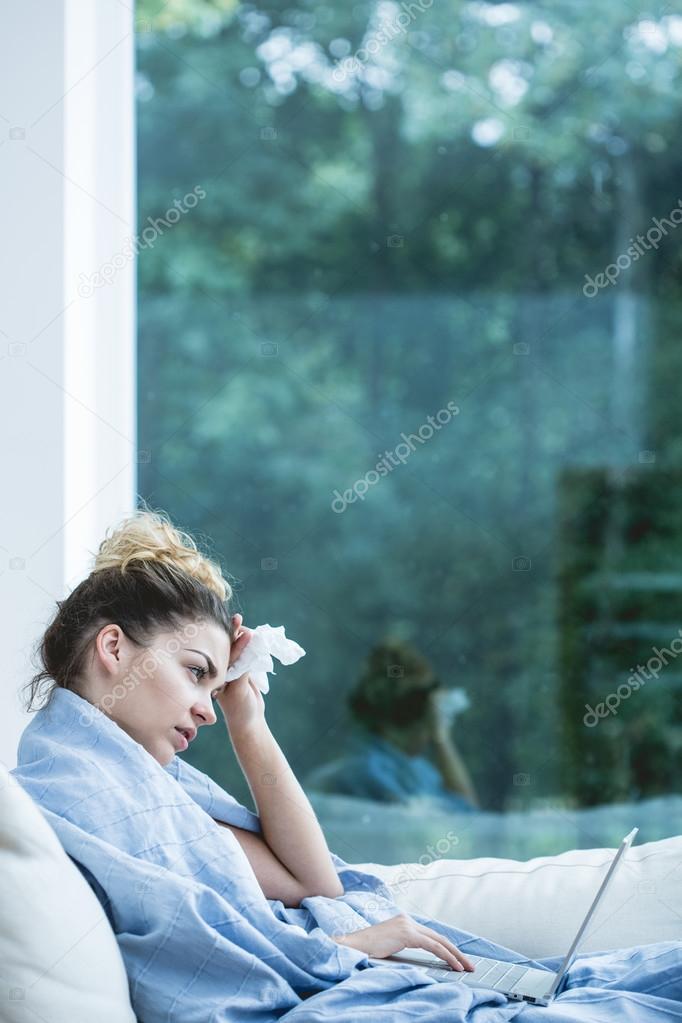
{"type": "Point", "coordinates": [147, 576]}
{"type": "Point", "coordinates": [150, 536]}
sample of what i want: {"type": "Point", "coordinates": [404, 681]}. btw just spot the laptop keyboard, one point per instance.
{"type": "Point", "coordinates": [489, 973]}
{"type": "Point", "coordinates": [509, 978]}
{"type": "Point", "coordinates": [494, 974]}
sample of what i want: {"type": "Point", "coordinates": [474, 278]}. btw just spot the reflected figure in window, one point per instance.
{"type": "Point", "coordinates": [402, 746]}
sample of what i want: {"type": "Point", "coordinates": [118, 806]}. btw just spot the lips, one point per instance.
{"type": "Point", "coordinates": [187, 733]}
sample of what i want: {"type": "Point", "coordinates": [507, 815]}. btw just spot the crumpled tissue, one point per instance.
{"type": "Point", "coordinates": [266, 642]}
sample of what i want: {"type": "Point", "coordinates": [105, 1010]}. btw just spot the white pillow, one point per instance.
{"type": "Point", "coordinates": [535, 907]}
{"type": "Point", "coordinates": [60, 960]}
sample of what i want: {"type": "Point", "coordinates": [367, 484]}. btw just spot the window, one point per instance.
{"type": "Point", "coordinates": [407, 355]}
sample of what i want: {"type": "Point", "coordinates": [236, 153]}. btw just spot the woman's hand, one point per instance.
{"type": "Point", "coordinates": [381, 940]}
{"type": "Point", "coordinates": [240, 700]}
{"type": "Point", "coordinates": [242, 638]}
{"type": "Point", "coordinates": [443, 707]}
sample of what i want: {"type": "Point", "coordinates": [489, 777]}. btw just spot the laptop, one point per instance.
{"type": "Point", "coordinates": [522, 983]}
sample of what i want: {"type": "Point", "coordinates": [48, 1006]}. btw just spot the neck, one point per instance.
{"type": "Point", "coordinates": [402, 739]}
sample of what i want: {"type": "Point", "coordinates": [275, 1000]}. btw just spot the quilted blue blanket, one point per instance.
{"type": "Point", "coordinates": [202, 944]}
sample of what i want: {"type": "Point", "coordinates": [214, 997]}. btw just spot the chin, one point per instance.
{"type": "Point", "coordinates": [164, 758]}
{"type": "Point", "coordinates": [162, 753]}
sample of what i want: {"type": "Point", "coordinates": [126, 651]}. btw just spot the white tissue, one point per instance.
{"type": "Point", "coordinates": [452, 702]}
{"type": "Point", "coordinates": [266, 642]}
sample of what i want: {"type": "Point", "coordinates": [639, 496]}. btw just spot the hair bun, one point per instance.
{"type": "Point", "coordinates": [148, 536]}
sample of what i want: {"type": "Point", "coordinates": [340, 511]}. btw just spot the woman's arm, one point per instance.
{"type": "Point", "coordinates": [453, 770]}
{"type": "Point", "coordinates": [272, 876]}
{"type": "Point", "coordinates": [289, 826]}
{"type": "Point", "coordinates": [290, 858]}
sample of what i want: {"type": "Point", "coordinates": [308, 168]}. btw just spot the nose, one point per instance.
{"type": "Point", "coordinates": [203, 711]}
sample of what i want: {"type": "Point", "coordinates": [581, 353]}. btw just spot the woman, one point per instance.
{"type": "Point", "coordinates": [221, 914]}
{"type": "Point", "coordinates": [403, 713]}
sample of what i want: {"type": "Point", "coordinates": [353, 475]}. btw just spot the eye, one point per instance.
{"type": "Point", "coordinates": [202, 671]}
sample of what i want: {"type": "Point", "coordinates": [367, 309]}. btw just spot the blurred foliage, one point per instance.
{"type": "Point", "coordinates": [203, 17]}
{"type": "Point", "coordinates": [378, 238]}
{"type": "Point", "coordinates": [620, 637]}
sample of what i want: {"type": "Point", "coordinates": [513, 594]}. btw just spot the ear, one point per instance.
{"type": "Point", "coordinates": [109, 647]}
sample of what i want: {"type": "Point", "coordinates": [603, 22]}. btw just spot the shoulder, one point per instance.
{"type": "Point", "coordinates": [211, 796]}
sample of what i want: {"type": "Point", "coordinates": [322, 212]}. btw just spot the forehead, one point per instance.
{"type": "Point", "coordinates": [207, 636]}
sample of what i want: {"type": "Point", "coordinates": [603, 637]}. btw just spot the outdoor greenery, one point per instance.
{"type": "Point", "coordinates": [401, 205]}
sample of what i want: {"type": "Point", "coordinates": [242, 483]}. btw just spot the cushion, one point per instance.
{"type": "Point", "coordinates": [60, 960]}
{"type": "Point", "coordinates": [535, 906]}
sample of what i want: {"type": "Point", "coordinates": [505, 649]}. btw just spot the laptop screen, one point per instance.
{"type": "Point", "coordinates": [570, 955]}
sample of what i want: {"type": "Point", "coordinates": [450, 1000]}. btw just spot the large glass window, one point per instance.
{"type": "Point", "coordinates": [408, 355]}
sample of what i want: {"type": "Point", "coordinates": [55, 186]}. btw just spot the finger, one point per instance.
{"type": "Point", "coordinates": [448, 944]}
{"type": "Point", "coordinates": [466, 963]}
{"type": "Point", "coordinates": [438, 949]}
{"type": "Point", "coordinates": [236, 622]}
{"type": "Point", "coordinates": [239, 644]}
{"type": "Point", "coordinates": [244, 638]}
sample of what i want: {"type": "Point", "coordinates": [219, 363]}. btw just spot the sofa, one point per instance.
{"type": "Point", "coordinates": [60, 960]}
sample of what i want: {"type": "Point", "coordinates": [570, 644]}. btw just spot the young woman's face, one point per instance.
{"type": "Point", "coordinates": [155, 693]}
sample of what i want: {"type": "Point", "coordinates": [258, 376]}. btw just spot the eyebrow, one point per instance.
{"type": "Point", "coordinates": [211, 665]}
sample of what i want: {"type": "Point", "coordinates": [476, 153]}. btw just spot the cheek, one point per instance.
{"type": "Point", "coordinates": [154, 702]}
{"type": "Point", "coordinates": [171, 695]}
{"type": "Point", "coordinates": [120, 702]}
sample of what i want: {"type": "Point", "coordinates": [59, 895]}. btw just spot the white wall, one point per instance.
{"type": "Point", "coordinates": [67, 387]}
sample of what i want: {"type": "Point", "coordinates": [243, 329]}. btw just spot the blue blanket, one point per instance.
{"type": "Point", "coordinates": [201, 942]}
